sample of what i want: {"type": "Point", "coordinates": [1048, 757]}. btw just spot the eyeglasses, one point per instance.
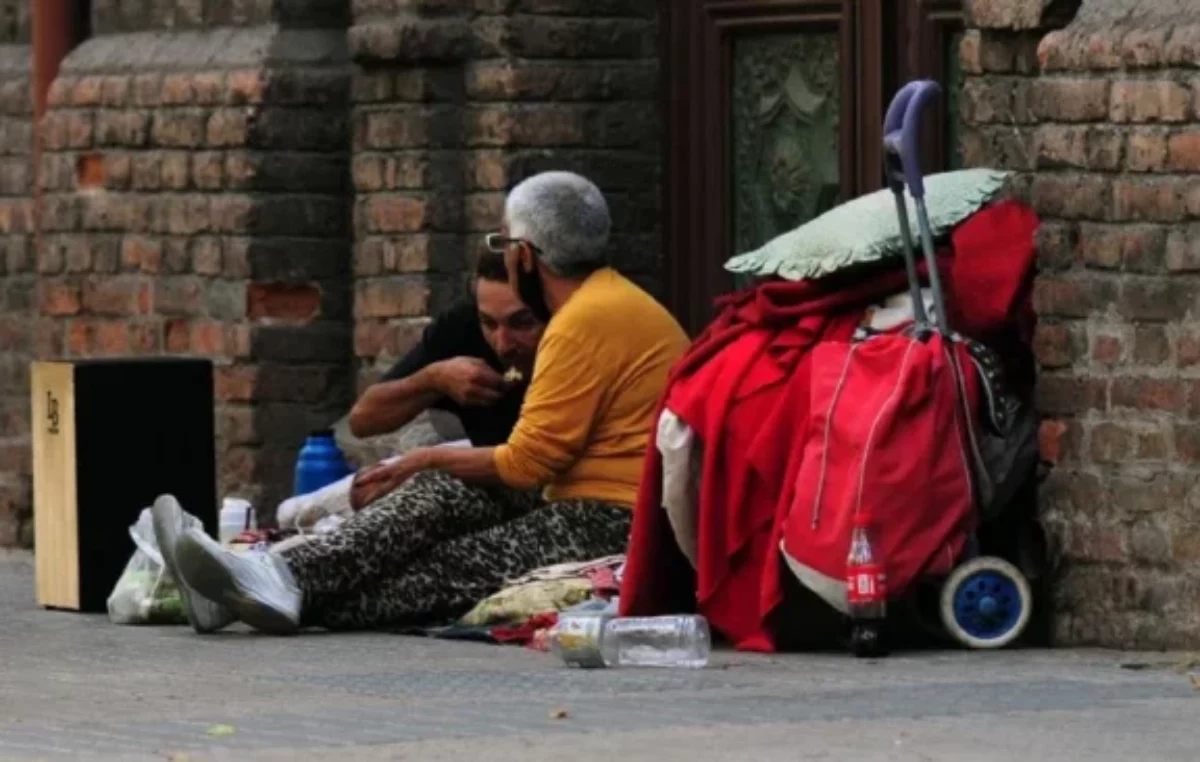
{"type": "Point", "coordinates": [498, 243]}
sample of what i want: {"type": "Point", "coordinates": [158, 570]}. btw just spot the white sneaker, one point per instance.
{"type": "Point", "coordinates": [257, 587]}
{"type": "Point", "coordinates": [170, 521]}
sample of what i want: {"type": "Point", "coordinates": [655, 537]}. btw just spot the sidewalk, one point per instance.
{"type": "Point", "coordinates": [76, 687]}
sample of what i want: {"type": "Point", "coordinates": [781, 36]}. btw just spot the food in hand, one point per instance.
{"type": "Point", "coordinates": [514, 376]}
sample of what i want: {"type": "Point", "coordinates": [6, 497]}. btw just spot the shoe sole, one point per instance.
{"type": "Point", "coordinates": [167, 519]}
{"type": "Point", "coordinates": [214, 580]}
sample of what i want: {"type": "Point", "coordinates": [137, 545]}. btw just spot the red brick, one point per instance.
{"type": "Point", "coordinates": [1073, 296]}
{"type": "Point", "coordinates": [60, 299]}
{"type": "Point", "coordinates": [1183, 251]}
{"type": "Point", "coordinates": [1062, 146]}
{"type": "Point", "coordinates": [177, 336]}
{"type": "Point", "coordinates": [1143, 47]}
{"type": "Point", "coordinates": [206, 255]}
{"type": "Point", "coordinates": [1187, 443]}
{"type": "Point", "coordinates": [1100, 246]}
{"type": "Point", "coordinates": [1183, 45]}
{"type": "Point", "coordinates": [395, 213]}
{"type": "Point", "coordinates": [140, 253]}
{"type": "Point", "coordinates": [391, 297]}
{"type": "Point", "coordinates": [1064, 395]}
{"type": "Point", "coordinates": [283, 300]}
{"type": "Point", "coordinates": [1110, 443]}
{"type": "Point", "coordinates": [1096, 545]}
{"type": "Point", "coordinates": [208, 88]}
{"type": "Point", "coordinates": [1070, 100]}
{"type": "Point", "coordinates": [236, 426]}
{"type": "Point", "coordinates": [535, 126]}
{"type": "Point", "coordinates": [112, 337]}
{"type": "Point", "coordinates": [1052, 435]}
{"type": "Point", "coordinates": [1184, 151]}
{"type": "Point", "coordinates": [245, 87]}
{"type": "Point", "coordinates": [1146, 151]}
{"type": "Point", "coordinates": [181, 128]}
{"type": "Point", "coordinates": [120, 295]}
{"type": "Point", "coordinates": [1107, 350]}
{"type": "Point", "coordinates": [1187, 347]}
{"type": "Point", "coordinates": [1149, 394]}
{"type": "Point", "coordinates": [208, 338]}
{"type": "Point", "coordinates": [1149, 198]}
{"type": "Point", "coordinates": [208, 170]}
{"type": "Point", "coordinates": [1151, 345]}
{"type": "Point", "coordinates": [181, 295]}
{"type": "Point", "coordinates": [49, 338]}
{"type": "Point", "coordinates": [1073, 196]}
{"type": "Point", "coordinates": [1149, 101]}
{"type": "Point", "coordinates": [87, 91]}
{"type": "Point", "coordinates": [1056, 345]}
{"type": "Point", "coordinates": [235, 383]}
{"type": "Point", "coordinates": [1143, 248]}
{"type": "Point", "coordinates": [1152, 445]}
{"type": "Point", "coordinates": [228, 127]}
{"type": "Point", "coordinates": [176, 90]}
{"type": "Point", "coordinates": [1155, 300]}
{"type": "Point", "coordinates": [175, 169]}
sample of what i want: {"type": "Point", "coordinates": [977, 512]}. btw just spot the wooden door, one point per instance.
{"type": "Point", "coordinates": [774, 112]}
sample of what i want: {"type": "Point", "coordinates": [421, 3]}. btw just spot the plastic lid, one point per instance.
{"type": "Point", "coordinates": [322, 434]}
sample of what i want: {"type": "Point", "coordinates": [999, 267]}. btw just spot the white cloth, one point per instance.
{"type": "Point", "coordinates": [681, 465]}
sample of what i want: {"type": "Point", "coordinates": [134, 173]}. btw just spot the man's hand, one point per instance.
{"type": "Point", "coordinates": [468, 381]}
{"type": "Point", "coordinates": [372, 483]}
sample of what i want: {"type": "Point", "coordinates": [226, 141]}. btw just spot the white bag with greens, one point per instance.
{"type": "Point", "coordinates": [145, 593]}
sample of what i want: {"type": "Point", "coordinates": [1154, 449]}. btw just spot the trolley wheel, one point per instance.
{"type": "Point", "coordinates": [986, 603]}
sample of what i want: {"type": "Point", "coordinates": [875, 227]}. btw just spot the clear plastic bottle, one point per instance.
{"type": "Point", "coordinates": [237, 515]}
{"type": "Point", "coordinates": [866, 593]}
{"type": "Point", "coordinates": [662, 641]}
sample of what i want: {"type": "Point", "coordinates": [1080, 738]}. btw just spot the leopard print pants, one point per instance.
{"type": "Point", "coordinates": [434, 547]}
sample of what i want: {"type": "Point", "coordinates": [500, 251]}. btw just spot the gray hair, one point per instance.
{"type": "Point", "coordinates": [566, 217]}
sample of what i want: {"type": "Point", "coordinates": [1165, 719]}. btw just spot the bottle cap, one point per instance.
{"type": "Point", "coordinates": [322, 434]}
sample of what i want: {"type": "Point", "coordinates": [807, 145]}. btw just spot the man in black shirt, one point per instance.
{"type": "Point", "coordinates": [474, 360]}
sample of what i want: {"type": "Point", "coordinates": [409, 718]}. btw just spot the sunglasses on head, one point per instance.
{"type": "Point", "coordinates": [498, 243]}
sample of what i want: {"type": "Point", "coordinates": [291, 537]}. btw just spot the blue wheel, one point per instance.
{"type": "Point", "coordinates": [986, 603]}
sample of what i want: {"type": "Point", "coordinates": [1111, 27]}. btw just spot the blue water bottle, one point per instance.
{"type": "Point", "coordinates": [319, 463]}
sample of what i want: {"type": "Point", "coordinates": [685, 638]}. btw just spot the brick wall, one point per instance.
{"type": "Point", "coordinates": [456, 102]}
{"type": "Point", "coordinates": [16, 269]}
{"type": "Point", "coordinates": [1102, 118]}
{"type": "Point", "coordinates": [195, 179]}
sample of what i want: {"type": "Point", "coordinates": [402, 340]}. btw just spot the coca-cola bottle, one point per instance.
{"type": "Point", "coordinates": [866, 592]}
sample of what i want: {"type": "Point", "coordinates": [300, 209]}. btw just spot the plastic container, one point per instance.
{"type": "Point", "coordinates": [682, 641]}
{"type": "Point", "coordinates": [237, 515]}
{"type": "Point", "coordinates": [319, 463]}
{"type": "Point", "coordinates": [599, 639]}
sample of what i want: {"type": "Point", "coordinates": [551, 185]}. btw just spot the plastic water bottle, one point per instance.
{"type": "Point", "coordinates": [866, 593]}
{"type": "Point", "coordinates": [237, 515]}
{"type": "Point", "coordinates": [661, 641]}
{"type": "Point", "coordinates": [319, 463]}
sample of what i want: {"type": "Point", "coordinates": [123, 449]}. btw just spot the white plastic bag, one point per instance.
{"type": "Point", "coordinates": [145, 592]}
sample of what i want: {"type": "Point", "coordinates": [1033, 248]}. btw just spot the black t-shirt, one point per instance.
{"type": "Point", "coordinates": [456, 333]}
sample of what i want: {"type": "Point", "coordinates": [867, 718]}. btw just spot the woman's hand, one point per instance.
{"type": "Point", "coordinates": [372, 483]}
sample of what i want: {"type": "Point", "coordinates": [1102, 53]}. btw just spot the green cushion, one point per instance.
{"type": "Point", "coordinates": [867, 229]}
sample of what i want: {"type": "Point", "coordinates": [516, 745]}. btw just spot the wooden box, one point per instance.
{"type": "Point", "coordinates": [109, 436]}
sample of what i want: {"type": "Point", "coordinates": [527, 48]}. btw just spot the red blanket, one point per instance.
{"type": "Point", "coordinates": [743, 387]}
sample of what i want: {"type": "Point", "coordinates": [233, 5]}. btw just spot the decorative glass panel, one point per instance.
{"type": "Point", "coordinates": [953, 82]}
{"type": "Point", "coordinates": [785, 110]}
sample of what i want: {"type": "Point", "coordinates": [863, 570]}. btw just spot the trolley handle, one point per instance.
{"type": "Point", "coordinates": [902, 166]}
{"type": "Point", "coordinates": [902, 135]}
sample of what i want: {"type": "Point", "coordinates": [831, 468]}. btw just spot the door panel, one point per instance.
{"type": "Point", "coordinates": [774, 111]}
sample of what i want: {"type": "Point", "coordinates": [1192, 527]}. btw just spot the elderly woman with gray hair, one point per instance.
{"type": "Point", "coordinates": [443, 528]}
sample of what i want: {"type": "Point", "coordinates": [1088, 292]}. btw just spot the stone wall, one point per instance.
{"type": "Point", "coordinates": [1102, 119]}
{"type": "Point", "coordinates": [457, 101]}
{"type": "Point", "coordinates": [196, 203]}
{"type": "Point", "coordinates": [16, 268]}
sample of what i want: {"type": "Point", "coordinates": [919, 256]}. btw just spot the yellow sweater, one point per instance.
{"type": "Point", "coordinates": [601, 367]}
